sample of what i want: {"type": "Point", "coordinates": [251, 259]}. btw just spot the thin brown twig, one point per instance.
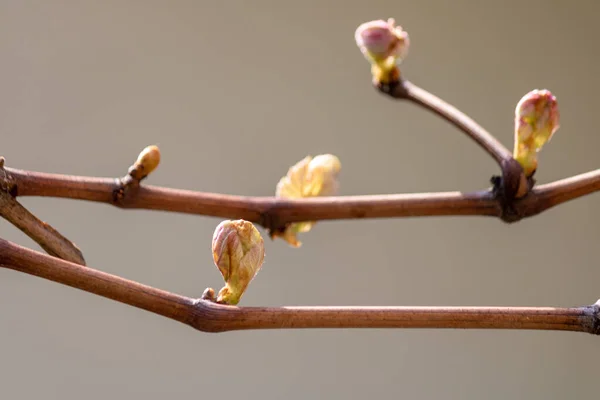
{"type": "Point", "coordinates": [52, 241]}
{"type": "Point", "coordinates": [456, 117]}
{"type": "Point", "coordinates": [207, 316]}
{"type": "Point", "coordinates": [273, 212]}
{"type": "Point", "coordinates": [513, 180]}
{"type": "Point", "coordinates": [210, 317]}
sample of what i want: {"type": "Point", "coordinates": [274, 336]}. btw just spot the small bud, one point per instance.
{"type": "Point", "coordinates": [208, 294]}
{"type": "Point", "coordinates": [536, 121]}
{"type": "Point", "coordinates": [238, 251]}
{"type": "Point", "coordinates": [310, 177]}
{"type": "Point", "coordinates": [384, 45]}
{"type": "Point", "coordinates": [146, 162]}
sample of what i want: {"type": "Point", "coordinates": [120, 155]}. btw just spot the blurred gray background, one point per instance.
{"type": "Point", "coordinates": [234, 93]}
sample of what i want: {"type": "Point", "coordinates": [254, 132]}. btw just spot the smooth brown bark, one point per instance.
{"type": "Point", "coordinates": [211, 317]}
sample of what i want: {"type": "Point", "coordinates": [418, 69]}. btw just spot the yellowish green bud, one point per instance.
{"type": "Point", "coordinates": [238, 252]}
{"type": "Point", "coordinates": [536, 121]}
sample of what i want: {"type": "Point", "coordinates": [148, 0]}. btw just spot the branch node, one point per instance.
{"type": "Point", "coordinates": [126, 188]}
{"type": "Point", "coordinates": [510, 187]}
{"type": "Point", "coordinates": [514, 181]}
{"type": "Point", "coordinates": [269, 219]}
{"type": "Point", "coordinates": [595, 326]}
{"type": "Point", "coordinates": [591, 318]}
{"type": "Point", "coordinates": [272, 221]}
{"type": "Point", "coordinates": [508, 212]}
{"type": "Point", "coordinates": [7, 183]}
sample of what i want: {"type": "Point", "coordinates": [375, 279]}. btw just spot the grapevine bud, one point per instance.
{"type": "Point", "coordinates": [536, 121]}
{"type": "Point", "coordinates": [146, 162]}
{"type": "Point", "coordinates": [384, 45]}
{"type": "Point", "coordinates": [310, 177]}
{"type": "Point", "coordinates": [238, 252]}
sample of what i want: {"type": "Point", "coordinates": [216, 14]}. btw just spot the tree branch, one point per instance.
{"type": "Point", "coordinates": [207, 316]}
{"type": "Point", "coordinates": [42, 233]}
{"type": "Point", "coordinates": [558, 192]}
{"type": "Point", "coordinates": [409, 91]}
{"type": "Point", "coordinates": [513, 179]}
{"type": "Point", "coordinates": [512, 198]}
{"type": "Point", "coordinates": [273, 212]}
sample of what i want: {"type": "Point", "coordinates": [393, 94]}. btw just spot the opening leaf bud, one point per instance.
{"type": "Point", "coordinates": [536, 121]}
{"type": "Point", "coordinates": [384, 45]}
{"type": "Point", "coordinates": [238, 252]}
{"type": "Point", "coordinates": [310, 177]}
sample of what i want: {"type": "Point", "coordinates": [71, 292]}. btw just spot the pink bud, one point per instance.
{"type": "Point", "coordinates": [536, 117]}
{"type": "Point", "coordinates": [379, 40]}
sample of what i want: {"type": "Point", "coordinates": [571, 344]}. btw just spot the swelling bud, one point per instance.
{"type": "Point", "coordinates": [384, 45]}
{"type": "Point", "coordinates": [238, 252]}
{"type": "Point", "coordinates": [146, 162]}
{"type": "Point", "coordinates": [536, 121]}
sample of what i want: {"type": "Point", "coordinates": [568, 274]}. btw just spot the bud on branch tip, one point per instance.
{"type": "Point", "coordinates": [384, 45]}
{"type": "Point", "coordinates": [536, 121]}
{"type": "Point", "coordinates": [238, 252]}
{"type": "Point", "coordinates": [146, 162]}
{"type": "Point", "coordinates": [310, 177]}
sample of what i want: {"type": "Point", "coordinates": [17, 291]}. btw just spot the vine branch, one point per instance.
{"type": "Point", "coordinates": [511, 198]}
{"type": "Point", "coordinates": [513, 183]}
{"type": "Point", "coordinates": [42, 233]}
{"type": "Point", "coordinates": [207, 316]}
{"type": "Point", "coordinates": [274, 212]}
{"type": "Point", "coordinates": [421, 97]}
